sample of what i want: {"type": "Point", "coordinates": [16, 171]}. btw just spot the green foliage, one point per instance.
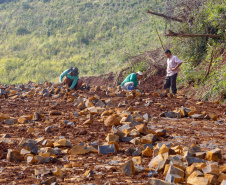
{"type": "Point", "coordinates": [43, 38]}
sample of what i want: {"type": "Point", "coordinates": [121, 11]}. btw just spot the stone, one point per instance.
{"type": "Point", "coordinates": [30, 130]}
{"type": "Point", "coordinates": [194, 149]}
{"type": "Point", "coordinates": [175, 161]}
{"type": "Point", "coordinates": [57, 172]}
{"type": "Point", "coordinates": [146, 117]}
{"type": "Point", "coordinates": [198, 181]}
{"type": "Point", "coordinates": [189, 170]}
{"type": "Point", "coordinates": [163, 149]}
{"type": "Point", "coordinates": [48, 129]}
{"type": "Point", "coordinates": [200, 155]}
{"type": "Point", "coordinates": [171, 115]}
{"type": "Point", "coordinates": [10, 121]}
{"type": "Point", "coordinates": [161, 165]}
{"type": "Point", "coordinates": [137, 160]}
{"type": "Point", "coordinates": [197, 116]}
{"type": "Point", "coordinates": [212, 178]}
{"type": "Point", "coordinates": [136, 141]}
{"type": "Point", "coordinates": [24, 152]}
{"type": "Point", "coordinates": [148, 139]}
{"type": "Point", "coordinates": [30, 158]}
{"type": "Point", "coordinates": [154, 181]}
{"type": "Point", "coordinates": [211, 169]}
{"type": "Point", "coordinates": [62, 143]}
{"type": "Point", "coordinates": [81, 106]}
{"type": "Point", "coordinates": [194, 174]}
{"type": "Point", "coordinates": [118, 132]}
{"type": "Point", "coordinates": [88, 122]}
{"type": "Point", "coordinates": [47, 143]}
{"type": "Point", "coordinates": [89, 173]}
{"type": "Point", "coordinates": [126, 139]}
{"type": "Point", "coordinates": [147, 152]}
{"type": "Point", "coordinates": [128, 168]}
{"type": "Point", "coordinates": [223, 182]}
{"type": "Point", "coordinates": [148, 145]}
{"type": "Point", "coordinates": [143, 129]}
{"type": "Point", "coordinates": [22, 120]}
{"type": "Point", "coordinates": [172, 178]}
{"type": "Point", "coordinates": [137, 152]}
{"type": "Point", "coordinates": [108, 183]}
{"type": "Point", "coordinates": [42, 171]}
{"type": "Point", "coordinates": [155, 161]}
{"type": "Point", "coordinates": [49, 181]}
{"type": "Point", "coordinates": [222, 169]}
{"type": "Point", "coordinates": [13, 156]}
{"type": "Point", "coordinates": [78, 150]}
{"type": "Point", "coordinates": [55, 112]}
{"type": "Point", "coordinates": [130, 151]}
{"type": "Point", "coordinates": [6, 136]}
{"type": "Point", "coordinates": [36, 116]}
{"type": "Point", "coordinates": [151, 173]}
{"type": "Point", "coordinates": [106, 149]}
{"type": "Point", "coordinates": [175, 171]}
{"type": "Point", "coordinates": [134, 133]}
{"type": "Point", "coordinates": [199, 166]}
{"type": "Point", "coordinates": [39, 159]}
{"type": "Point", "coordinates": [160, 132]}
{"type": "Point", "coordinates": [112, 138]}
{"type": "Point", "coordinates": [213, 116]}
{"type": "Point", "coordinates": [214, 155]}
{"type": "Point", "coordinates": [166, 169]}
{"type": "Point", "coordinates": [191, 160]}
{"type": "Point", "coordinates": [111, 120]}
{"type": "Point", "coordinates": [32, 147]}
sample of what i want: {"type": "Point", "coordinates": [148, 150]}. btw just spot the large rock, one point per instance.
{"type": "Point", "coordinates": [13, 156]}
{"type": "Point", "coordinates": [106, 149]}
{"type": "Point", "coordinates": [112, 120]}
{"type": "Point", "coordinates": [10, 121]}
{"type": "Point", "coordinates": [128, 168]}
{"type": "Point", "coordinates": [154, 181]}
{"type": "Point", "coordinates": [61, 143]}
{"type": "Point", "coordinates": [112, 138]}
{"type": "Point", "coordinates": [78, 150]}
{"type": "Point", "coordinates": [214, 155]}
{"type": "Point", "coordinates": [147, 152]}
{"type": "Point", "coordinates": [211, 169]}
{"type": "Point", "coordinates": [143, 129]}
{"type": "Point", "coordinates": [198, 181]}
{"type": "Point", "coordinates": [155, 161]}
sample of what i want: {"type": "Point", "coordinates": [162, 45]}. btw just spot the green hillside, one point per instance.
{"type": "Point", "coordinates": [41, 38]}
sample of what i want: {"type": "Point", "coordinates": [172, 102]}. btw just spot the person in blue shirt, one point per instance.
{"type": "Point", "coordinates": [71, 78]}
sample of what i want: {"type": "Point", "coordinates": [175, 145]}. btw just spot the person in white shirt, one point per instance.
{"type": "Point", "coordinates": [173, 64]}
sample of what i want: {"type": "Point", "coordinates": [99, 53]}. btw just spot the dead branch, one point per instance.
{"type": "Point", "coordinates": [173, 34]}
{"type": "Point", "coordinates": [165, 16]}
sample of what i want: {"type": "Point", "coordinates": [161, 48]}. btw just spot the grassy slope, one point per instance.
{"type": "Point", "coordinates": [39, 39]}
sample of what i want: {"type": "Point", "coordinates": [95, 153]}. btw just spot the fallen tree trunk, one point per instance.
{"type": "Point", "coordinates": [173, 34]}
{"type": "Point", "coordinates": [165, 16]}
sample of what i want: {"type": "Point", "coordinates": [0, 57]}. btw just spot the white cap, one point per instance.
{"type": "Point", "coordinates": [140, 73]}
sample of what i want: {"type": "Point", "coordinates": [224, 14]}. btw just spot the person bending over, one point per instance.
{"type": "Point", "coordinates": [131, 81]}
{"type": "Point", "coordinates": [71, 78]}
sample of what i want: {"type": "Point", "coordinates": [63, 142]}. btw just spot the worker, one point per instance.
{"type": "Point", "coordinates": [173, 64]}
{"type": "Point", "coordinates": [71, 78]}
{"type": "Point", "coordinates": [131, 81]}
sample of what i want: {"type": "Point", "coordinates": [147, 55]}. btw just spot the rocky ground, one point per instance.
{"type": "Point", "coordinates": [50, 135]}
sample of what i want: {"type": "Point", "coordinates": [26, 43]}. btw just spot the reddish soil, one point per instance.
{"type": "Point", "coordinates": [184, 131]}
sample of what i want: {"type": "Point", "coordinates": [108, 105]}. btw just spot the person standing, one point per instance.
{"type": "Point", "coordinates": [173, 64]}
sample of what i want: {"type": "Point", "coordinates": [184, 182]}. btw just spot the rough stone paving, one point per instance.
{"type": "Point", "coordinates": [50, 135]}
